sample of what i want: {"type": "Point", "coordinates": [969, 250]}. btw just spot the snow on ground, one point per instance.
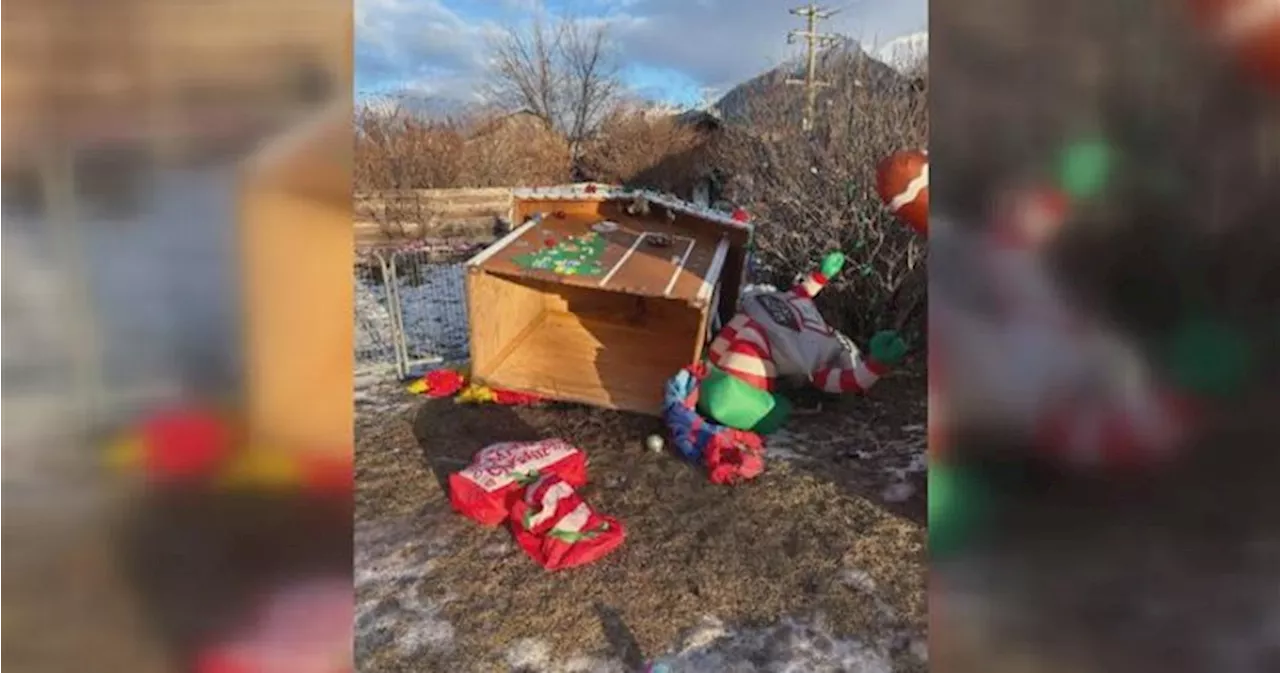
{"type": "Point", "coordinates": [795, 446]}
{"type": "Point", "coordinates": [394, 561]}
{"type": "Point", "coordinates": [433, 309]}
{"type": "Point", "coordinates": [392, 565]}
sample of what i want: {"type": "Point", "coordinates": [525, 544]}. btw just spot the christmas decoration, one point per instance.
{"type": "Point", "coordinates": [1084, 168]}
{"type": "Point", "coordinates": [1209, 359]}
{"type": "Point", "coordinates": [573, 256]}
{"type": "Point", "coordinates": [1250, 32]}
{"type": "Point", "coordinates": [438, 383]}
{"type": "Point", "coordinates": [959, 504]}
{"type": "Point", "coordinates": [782, 334]}
{"type": "Point", "coordinates": [202, 448]}
{"type": "Point", "coordinates": [902, 181]}
{"type": "Point", "coordinates": [729, 455]}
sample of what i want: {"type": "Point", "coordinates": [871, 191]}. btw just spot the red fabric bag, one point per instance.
{"type": "Point", "coordinates": [486, 490]}
{"type": "Point", "coordinates": [734, 456]}
{"type": "Point", "coordinates": [558, 529]}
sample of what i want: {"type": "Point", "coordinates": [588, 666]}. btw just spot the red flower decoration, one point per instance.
{"type": "Point", "coordinates": [591, 189]}
{"type": "Point", "coordinates": [443, 383]}
{"type": "Point", "coordinates": [740, 215]}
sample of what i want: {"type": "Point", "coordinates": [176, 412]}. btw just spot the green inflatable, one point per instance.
{"type": "Point", "coordinates": [959, 503]}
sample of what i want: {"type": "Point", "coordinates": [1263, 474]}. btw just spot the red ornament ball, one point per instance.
{"type": "Point", "coordinates": [740, 215]}
{"type": "Point", "coordinates": [1249, 30]}
{"type": "Point", "coordinates": [902, 181]}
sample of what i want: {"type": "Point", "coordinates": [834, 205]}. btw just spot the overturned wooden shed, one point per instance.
{"type": "Point", "coordinates": [600, 294]}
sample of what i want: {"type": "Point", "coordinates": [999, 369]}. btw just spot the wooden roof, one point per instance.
{"type": "Point", "coordinates": [675, 257]}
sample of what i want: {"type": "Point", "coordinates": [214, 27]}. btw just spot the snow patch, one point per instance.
{"type": "Point", "coordinates": [791, 646]}
{"type": "Point", "coordinates": [394, 565]}
{"type": "Point", "coordinates": [906, 52]}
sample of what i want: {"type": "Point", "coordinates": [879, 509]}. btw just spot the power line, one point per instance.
{"type": "Point", "coordinates": [813, 41]}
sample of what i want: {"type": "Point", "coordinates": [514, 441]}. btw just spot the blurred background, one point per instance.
{"type": "Point", "coordinates": [1167, 565]}
{"type": "Point", "coordinates": [128, 125]}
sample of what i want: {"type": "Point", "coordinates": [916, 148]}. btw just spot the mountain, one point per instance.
{"type": "Point", "coordinates": [844, 64]}
{"type": "Point", "coordinates": [906, 53]}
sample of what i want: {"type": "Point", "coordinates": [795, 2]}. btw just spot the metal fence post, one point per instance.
{"type": "Point", "coordinates": [391, 287]}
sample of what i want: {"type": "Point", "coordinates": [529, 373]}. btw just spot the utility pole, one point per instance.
{"type": "Point", "coordinates": [813, 40]}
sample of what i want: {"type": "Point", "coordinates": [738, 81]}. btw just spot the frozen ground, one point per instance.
{"type": "Point", "coordinates": [403, 621]}
{"type": "Point", "coordinates": [432, 306]}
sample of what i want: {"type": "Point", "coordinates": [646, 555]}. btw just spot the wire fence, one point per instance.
{"type": "Point", "coordinates": [410, 307]}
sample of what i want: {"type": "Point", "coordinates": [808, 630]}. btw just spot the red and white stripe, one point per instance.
{"type": "Point", "coordinates": [911, 192]}
{"type": "Point", "coordinates": [548, 498]}
{"type": "Point", "coordinates": [1144, 429]}
{"type": "Point", "coordinates": [939, 432]}
{"type": "Point", "coordinates": [858, 378]}
{"type": "Point", "coordinates": [809, 287]}
{"type": "Point", "coordinates": [742, 350]}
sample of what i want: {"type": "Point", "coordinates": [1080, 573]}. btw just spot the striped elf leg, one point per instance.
{"type": "Point", "coordinates": [939, 424]}
{"type": "Point", "coordinates": [742, 350]}
{"type": "Point", "coordinates": [1140, 429]}
{"type": "Point", "coordinates": [853, 373]}
{"type": "Point", "coordinates": [810, 285]}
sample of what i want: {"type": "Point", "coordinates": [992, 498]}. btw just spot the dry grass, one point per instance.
{"type": "Point", "coordinates": [783, 545]}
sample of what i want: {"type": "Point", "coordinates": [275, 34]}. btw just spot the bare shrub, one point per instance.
{"type": "Point", "coordinates": [815, 192]}
{"type": "Point", "coordinates": [396, 149]}
{"type": "Point", "coordinates": [631, 142]}
{"type": "Point", "coordinates": [510, 150]}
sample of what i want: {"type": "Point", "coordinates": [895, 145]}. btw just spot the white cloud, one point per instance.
{"type": "Point", "coordinates": [717, 43]}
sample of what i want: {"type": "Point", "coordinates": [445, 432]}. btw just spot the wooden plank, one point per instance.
{"type": "Point", "coordinates": [594, 362]}
{"type": "Point", "coordinates": [499, 312]}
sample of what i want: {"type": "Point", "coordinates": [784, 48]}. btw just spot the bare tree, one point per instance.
{"type": "Point", "coordinates": [563, 73]}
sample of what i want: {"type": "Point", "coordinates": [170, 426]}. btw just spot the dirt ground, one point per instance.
{"type": "Point", "coordinates": [824, 550]}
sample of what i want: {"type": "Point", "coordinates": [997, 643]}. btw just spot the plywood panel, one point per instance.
{"type": "Point", "coordinates": [500, 311]}
{"type": "Point", "coordinates": [299, 332]}
{"type": "Point", "coordinates": [596, 362]}
{"type": "Point", "coordinates": [629, 263]}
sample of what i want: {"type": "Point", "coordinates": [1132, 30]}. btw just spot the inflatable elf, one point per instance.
{"type": "Point", "coordinates": [782, 336]}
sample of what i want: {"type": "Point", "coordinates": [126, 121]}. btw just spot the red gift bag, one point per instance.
{"type": "Point", "coordinates": [558, 529]}
{"type": "Point", "coordinates": [486, 490]}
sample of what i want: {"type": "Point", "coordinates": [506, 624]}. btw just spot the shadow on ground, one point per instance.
{"type": "Point", "coordinates": [799, 541]}
{"type": "Point", "coordinates": [198, 560]}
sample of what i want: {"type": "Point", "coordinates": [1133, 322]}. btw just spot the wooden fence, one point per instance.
{"type": "Point", "coordinates": [418, 213]}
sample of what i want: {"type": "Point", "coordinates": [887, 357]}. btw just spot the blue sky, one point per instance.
{"type": "Point", "coordinates": [672, 50]}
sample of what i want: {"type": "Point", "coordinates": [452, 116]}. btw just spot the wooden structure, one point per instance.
{"type": "Point", "coordinates": [586, 301]}
{"type": "Point", "coordinates": [296, 252]}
